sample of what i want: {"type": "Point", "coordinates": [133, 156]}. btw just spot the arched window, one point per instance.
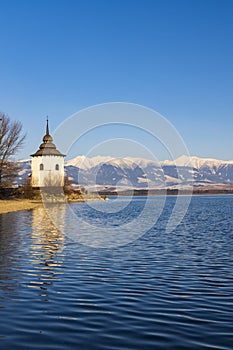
{"type": "Point", "coordinates": [41, 166]}
{"type": "Point", "coordinates": [57, 167]}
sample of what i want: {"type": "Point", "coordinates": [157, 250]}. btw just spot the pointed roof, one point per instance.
{"type": "Point", "coordinates": [47, 148]}
{"type": "Point", "coordinates": [47, 126]}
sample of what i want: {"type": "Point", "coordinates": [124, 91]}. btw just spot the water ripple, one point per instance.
{"type": "Point", "coordinates": [163, 291]}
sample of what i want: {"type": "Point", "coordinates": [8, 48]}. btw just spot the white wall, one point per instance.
{"type": "Point", "coordinates": [49, 175]}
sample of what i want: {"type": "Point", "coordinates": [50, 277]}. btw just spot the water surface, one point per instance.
{"type": "Point", "coordinates": [161, 291]}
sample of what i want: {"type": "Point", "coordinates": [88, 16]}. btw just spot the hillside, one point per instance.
{"type": "Point", "coordinates": [107, 172]}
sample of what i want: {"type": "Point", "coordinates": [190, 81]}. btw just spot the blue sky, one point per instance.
{"type": "Point", "coordinates": [59, 56]}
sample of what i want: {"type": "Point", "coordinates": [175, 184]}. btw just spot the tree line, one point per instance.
{"type": "Point", "coordinates": [11, 140]}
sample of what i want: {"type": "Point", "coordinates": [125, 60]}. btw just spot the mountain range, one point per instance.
{"type": "Point", "coordinates": [108, 172]}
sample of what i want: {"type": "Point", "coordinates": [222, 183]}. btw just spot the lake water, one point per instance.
{"type": "Point", "coordinates": [161, 291]}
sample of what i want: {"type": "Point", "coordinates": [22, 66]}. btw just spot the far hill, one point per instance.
{"type": "Point", "coordinates": [106, 173]}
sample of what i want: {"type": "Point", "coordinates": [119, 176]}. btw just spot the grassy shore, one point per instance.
{"type": "Point", "coordinates": [7, 206]}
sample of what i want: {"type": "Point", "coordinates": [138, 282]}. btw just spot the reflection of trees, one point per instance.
{"type": "Point", "coordinates": [52, 194]}
{"type": "Point", "coordinates": [11, 237]}
{"type": "Point", "coordinates": [46, 250]}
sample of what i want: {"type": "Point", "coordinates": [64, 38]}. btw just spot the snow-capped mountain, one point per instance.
{"type": "Point", "coordinates": [196, 162]}
{"type": "Point", "coordinates": [109, 171]}
{"type": "Point", "coordinates": [205, 170]}
{"type": "Point", "coordinates": [141, 173]}
{"type": "Point", "coordinates": [24, 170]}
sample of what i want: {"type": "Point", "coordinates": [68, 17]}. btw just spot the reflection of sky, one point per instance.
{"type": "Point", "coordinates": [14, 228]}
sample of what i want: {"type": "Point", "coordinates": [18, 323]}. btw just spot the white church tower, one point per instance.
{"type": "Point", "coordinates": [47, 164]}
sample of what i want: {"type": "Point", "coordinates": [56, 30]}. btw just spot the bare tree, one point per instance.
{"type": "Point", "coordinates": [11, 140]}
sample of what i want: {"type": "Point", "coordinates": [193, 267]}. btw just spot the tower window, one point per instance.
{"type": "Point", "coordinates": [56, 167]}
{"type": "Point", "coordinates": [41, 166]}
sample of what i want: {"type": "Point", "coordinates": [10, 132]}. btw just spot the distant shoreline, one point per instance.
{"type": "Point", "coordinates": [169, 192]}
{"type": "Point", "coordinates": [12, 205]}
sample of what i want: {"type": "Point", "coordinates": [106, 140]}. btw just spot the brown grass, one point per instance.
{"type": "Point", "coordinates": [10, 205]}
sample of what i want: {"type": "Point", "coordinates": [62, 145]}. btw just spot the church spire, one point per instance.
{"type": "Point", "coordinates": [47, 126]}
{"type": "Point", "coordinates": [47, 137]}
{"type": "Point", "coordinates": [47, 148]}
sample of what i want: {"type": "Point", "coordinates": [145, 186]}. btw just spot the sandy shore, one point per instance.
{"type": "Point", "coordinates": [7, 206]}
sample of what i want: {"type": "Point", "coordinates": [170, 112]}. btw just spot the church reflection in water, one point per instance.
{"type": "Point", "coordinates": [46, 249]}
